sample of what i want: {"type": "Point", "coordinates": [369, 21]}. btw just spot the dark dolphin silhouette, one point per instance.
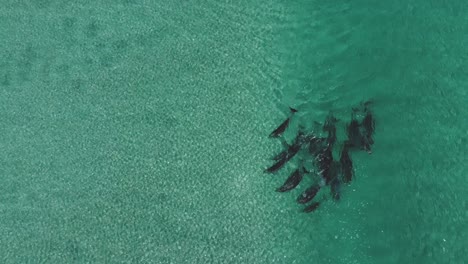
{"type": "Point", "coordinates": [331, 139]}
{"type": "Point", "coordinates": [316, 145]}
{"type": "Point", "coordinates": [330, 121]}
{"type": "Point", "coordinates": [278, 165]}
{"type": "Point", "coordinates": [308, 194]}
{"type": "Point", "coordinates": [283, 157]}
{"type": "Point", "coordinates": [283, 154]}
{"type": "Point", "coordinates": [290, 149]}
{"type": "Point", "coordinates": [334, 170]}
{"type": "Point", "coordinates": [346, 164]}
{"type": "Point", "coordinates": [354, 133]}
{"type": "Point", "coordinates": [324, 161]}
{"type": "Point", "coordinates": [335, 188]}
{"type": "Point", "coordinates": [329, 126]}
{"type": "Point", "coordinates": [293, 180]}
{"type": "Point", "coordinates": [368, 124]}
{"type": "Point", "coordinates": [281, 128]}
{"type": "Point", "coordinates": [312, 207]}
{"type": "Point", "coordinates": [356, 139]}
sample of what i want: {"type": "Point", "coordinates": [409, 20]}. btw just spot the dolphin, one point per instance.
{"type": "Point", "coordinates": [316, 144]}
{"type": "Point", "coordinates": [324, 161]}
{"type": "Point", "coordinates": [360, 134]}
{"type": "Point", "coordinates": [312, 207]}
{"type": "Point", "coordinates": [283, 157]}
{"type": "Point", "coordinates": [354, 133]}
{"type": "Point", "coordinates": [355, 137]}
{"type": "Point", "coordinates": [369, 126]}
{"type": "Point", "coordinates": [334, 171]}
{"type": "Point", "coordinates": [293, 180]}
{"type": "Point", "coordinates": [330, 121]}
{"type": "Point", "coordinates": [308, 194]}
{"type": "Point", "coordinates": [329, 126]}
{"type": "Point", "coordinates": [278, 165]}
{"type": "Point", "coordinates": [335, 188]}
{"type": "Point", "coordinates": [281, 128]}
{"type": "Point", "coordinates": [331, 139]}
{"type": "Point", "coordinates": [346, 164]}
{"type": "Point", "coordinates": [283, 154]}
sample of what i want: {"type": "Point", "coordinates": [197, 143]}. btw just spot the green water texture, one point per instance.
{"type": "Point", "coordinates": [137, 131]}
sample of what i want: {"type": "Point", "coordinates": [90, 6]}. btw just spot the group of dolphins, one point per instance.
{"type": "Point", "coordinates": [319, 152]}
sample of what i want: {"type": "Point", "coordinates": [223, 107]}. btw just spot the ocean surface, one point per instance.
{"type": "Point", "coordinates": [136, 131]}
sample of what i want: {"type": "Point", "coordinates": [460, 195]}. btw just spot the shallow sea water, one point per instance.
{"type": "Point", "coordinates": [136, 131]}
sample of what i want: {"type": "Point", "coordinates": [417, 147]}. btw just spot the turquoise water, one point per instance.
{"type": "Point", "coordinates": [136, 131]}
